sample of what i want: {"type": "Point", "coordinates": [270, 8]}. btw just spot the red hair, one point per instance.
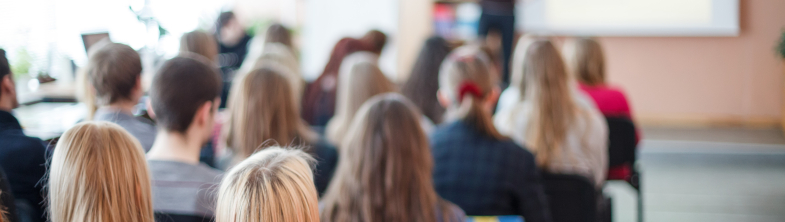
{"type": "Point", "coordinates": [319, 101]}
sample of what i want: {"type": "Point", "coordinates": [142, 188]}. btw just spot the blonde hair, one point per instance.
{"type": "Point", "coordinates": [385, 170]}
{"type": "Point", "coordinates": [549, 88]}
{"type": "Point", "coordinates": [359, 80]}
{"type": "Point", "coordinates": [112, 72]}
{"type": "Point", "coordinates": [468, 66]}
{"type": "Point", "coordinates": [585, 60]}
{"type": "Point", "coordinates": [274, 184]}
{"type": "Point", "coordinates": [261, 109]}
{"type": "Point", "coordinates": [201, 43]}
{"type": "Point", "coordinates": [518, 58]}
{"type": "Point", "coordinates": [98, 173]}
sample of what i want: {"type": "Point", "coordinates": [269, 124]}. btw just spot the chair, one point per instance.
{"type": "Point", "coordinates": [494, 219]}
{"type": "Point", "coordinates": [622, 146]}
{"type": "Point", "coordinates": [165, 217]}
{"type": "Point", "coordinates": [572, 198]}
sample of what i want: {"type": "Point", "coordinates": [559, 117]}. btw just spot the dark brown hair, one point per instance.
{"type": "Point", "coordinates": [5, 69]}
{"type": "Point", "coordinates": [376, 39]}
{"type": "Point", "coordinates": [180, 87]}
{"type": "Point", "coordinates": [423, 82]}
{"type": "Point", "coordinates": [385, 172]}
{"type": "Point", "coordinates": [113, 71]}
{"type": "Point", "coordinates": [280, 34]}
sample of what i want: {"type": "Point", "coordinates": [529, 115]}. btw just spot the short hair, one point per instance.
{"type": "Point", "coordinates": [201, 43]}
{"type": "Point", "coordinates": [98, 172]}
{"type": "Point", "coordinates": [5, 69]}
{"type": "Point", "coordinates": [223, 18]}
{"type": "Point", "coordinates": [113, 71]}
{"type": "Point", "coordinates": [280, 34]}
{"type": "Point", "coordinates": [274, 184]}
{"type": "Point", "coordinates": [180, 87]}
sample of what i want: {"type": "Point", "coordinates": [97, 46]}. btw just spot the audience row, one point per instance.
{"type": "Point", "coordinates": [351, 146]}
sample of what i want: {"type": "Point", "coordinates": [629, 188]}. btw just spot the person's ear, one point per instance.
{"type": "Point", "coordinates": [204, 114]}
{"type": "Point", "coordinates": [7, 86]}
{"type": "Point", "coordinates": [443, 99]}
{"type": "Point", "coordinates": [492, 98]}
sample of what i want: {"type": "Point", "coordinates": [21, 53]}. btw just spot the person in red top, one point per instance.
{"type": "Point", "coordinates": [586, 61]}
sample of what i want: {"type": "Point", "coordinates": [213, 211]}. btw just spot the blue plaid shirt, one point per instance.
{"type": "Point", "coordinates": [486, 176]}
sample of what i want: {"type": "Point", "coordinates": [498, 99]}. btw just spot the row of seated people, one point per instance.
{"type": "Point", "coordinates": [434, 152]}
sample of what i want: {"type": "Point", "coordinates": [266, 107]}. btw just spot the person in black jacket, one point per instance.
{"type": "Point", "coordinates": [22, 157]}
{"type": "Point", "coordinates": [475, 167]}
{"type": "Point", "coordinates": [499, 15]}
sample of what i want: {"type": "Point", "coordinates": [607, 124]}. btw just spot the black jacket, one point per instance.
{"type": "Point", "coordinates": [24, 160]}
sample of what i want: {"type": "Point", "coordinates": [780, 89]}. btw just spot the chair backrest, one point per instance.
{"type": "Point", "coordinates": [164, 217]}
{"type": "Point", "coordinates": [513, 218]}
{"type": "Point", "coordinates": [572, 198]}
{"type": "Point", "coordinates": [622, 141]}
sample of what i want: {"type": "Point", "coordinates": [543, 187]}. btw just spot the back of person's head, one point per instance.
{"type": "Point", "coordinates": [518, 58]}
{"type": "Point", "coordinates": [585, 60]}
{"type": "Point", "coordinates": [278, 33]}
{"type": "Point", "coordinates": [385, 172]}
{"type": "Point", "coordinates": [274, 184]}
{"type": "Point", "coordinates": [7, 86]}
{"type": "Point", "coordinates": [465, 80]}
{"type": "Point", "coordinates": [423, 82]}
{"type": "Point", "coordinates": [98, 173]}
{"type": "Point", "coordinates": [360, 79]}
{"type": "Point", "coordinates": [201, 43]}
{"type": "Point", "coordinates": [376, 39]}
{"type": "Point", "coordinates": [261, 109]}
{"type": "Point", "coordinates": [548, 88]}
{"type": "Point", "coordinates": [114, 74]}
{"type": "Point", "coordinates": [343, 48]}
{"type": "Point", "coordinates": [182, 86]}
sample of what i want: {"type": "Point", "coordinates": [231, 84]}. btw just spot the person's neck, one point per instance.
{"type": "Point", "coordinates": [173, 146]}
{"type": "Point", "coordinates": [125, 106]}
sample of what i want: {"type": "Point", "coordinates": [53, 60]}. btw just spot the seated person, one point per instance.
{"type": "Point", "coordinates": [98, 173]}
{"type": "Point", "coordinates": [22, 157]}
{"type": "Point", "coordinates": [385, 172]}
{"type": "Point", "coordinates": [185, 98]}
{"type": "Point", "coordinates": [361, 79]}
{"type": "Point", "coordinates": [560, 125]}
{"type": "Point", "coordinates": [261, 114]}
{"type": "Point", "coordinates": [274, 184]}
{"type": "Point", "coordinates": [114, 72]}
{"type": "Point", "coordinates": [477, 168]}
{"type": "Point", "coordinates": [586, 62]}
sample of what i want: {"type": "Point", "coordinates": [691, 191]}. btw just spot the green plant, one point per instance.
{"type": "Point", "coordinates": [781, 45]}
{"type": "Point", "coordinates": [23, 63]}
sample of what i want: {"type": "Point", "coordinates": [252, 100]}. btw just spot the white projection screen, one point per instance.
{"type": "Point", "coordinates": [629, 17]}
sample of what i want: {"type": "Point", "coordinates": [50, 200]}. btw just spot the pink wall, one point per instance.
{"type": "Point", "coordinates": [705, 80]}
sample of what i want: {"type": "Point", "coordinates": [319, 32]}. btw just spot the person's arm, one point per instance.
{"type": "Point", "coordinates": [533, 203]}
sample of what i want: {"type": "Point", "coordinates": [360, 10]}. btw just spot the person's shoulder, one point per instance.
{"type": "Point", "coordinates": [449, 132]}
{"type": "Point", "coordinates": [514, 150]}
{"type": "Point", "coordinates": [19, 141]}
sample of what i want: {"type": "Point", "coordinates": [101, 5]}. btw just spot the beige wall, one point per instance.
{"type": "Point", "coordinates": [705, 80]}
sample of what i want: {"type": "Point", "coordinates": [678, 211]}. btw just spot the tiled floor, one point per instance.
{"type": "Point", "coordinates": [707, 175]}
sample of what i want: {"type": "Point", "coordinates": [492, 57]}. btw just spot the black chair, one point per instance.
{"type": "Point", "coordinates": [572, 198]}
{"type": "Point", "coordinates": [164, 217]}
{"type": "Point", "coordinates": [622, 147]}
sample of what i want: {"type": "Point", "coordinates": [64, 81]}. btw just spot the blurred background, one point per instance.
{"type": "Point", "coordinates": [704, 77]}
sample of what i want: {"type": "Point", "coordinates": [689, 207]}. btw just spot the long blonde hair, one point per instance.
{"type": "Point", "coordinates": [201, 43]}
{"type": "Point", "coordinates": [261, 109]}
{"type": "Point", "coordinates": [98, 173]}
{"type": "Point", "coordinates": [518, 58]}
{"type": "Point", "coordinates": [385, 172]}
{"type": "Point", "coordinates": [360, 79]}
{"type": "Point", "coordinates": [274, 184]}
{"type": "Point", "coordinates": [585, 60]}
{"type": "Point", "coordinates": [465, 79]}
{"type": "Point", "coordinates": [548, 87]}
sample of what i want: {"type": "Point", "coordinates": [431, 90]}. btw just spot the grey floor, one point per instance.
{"type": "Point", "coordinates": [707, 175]}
